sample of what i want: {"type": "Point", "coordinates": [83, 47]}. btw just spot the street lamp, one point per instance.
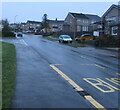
{"type": "Point", "coordinates": [15, 21]}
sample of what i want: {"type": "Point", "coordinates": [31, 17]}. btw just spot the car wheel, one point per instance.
{"type": "Point", "coordinates": [59, 41]}
{"type": "Point", "coordinates": [71, 42]}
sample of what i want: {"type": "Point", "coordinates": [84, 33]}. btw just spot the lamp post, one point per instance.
{"type": "Point", "coordinates": [14, 22]}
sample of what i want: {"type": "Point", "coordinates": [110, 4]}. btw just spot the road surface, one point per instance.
{"type": "Point", "coordinates": [53, 75]}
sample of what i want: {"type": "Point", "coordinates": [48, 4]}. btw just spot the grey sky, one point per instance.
{"type": "Point", "coordinates": [35, 10]}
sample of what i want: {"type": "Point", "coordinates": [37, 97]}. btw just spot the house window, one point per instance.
{"type": "Point", "coordinates": [85, 28]}
{"type": "Point", "coordinates": [93, 21]}
{"type": "Point", "coordinates": [114, 30]}
{"type": "Point", "coordinates": [99, 26]}
{"type": "Point", "coordinates": [111, 19]}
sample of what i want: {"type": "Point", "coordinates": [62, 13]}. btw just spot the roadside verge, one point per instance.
{"type": "Point", "coordinates": [8, 73]}
{"type": "Point", "coordinates": [67, 44]}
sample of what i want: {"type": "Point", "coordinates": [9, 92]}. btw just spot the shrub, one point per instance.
{"type": "Point", "coordinates": [8, 34]}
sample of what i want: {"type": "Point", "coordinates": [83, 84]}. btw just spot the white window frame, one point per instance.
{"type": "Point", "coordinates": [113, 29]}
{"type": "Point", "coordinates": [84, 28]}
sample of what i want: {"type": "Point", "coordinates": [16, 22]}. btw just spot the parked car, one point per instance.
{"type": "Point", "coordinates": [85, 37]}
{"type": "Point", "coordinates": [19, 34]}
{"type": "Point", "coordinates": [77, 38]}
{"type": "Point", "coordinates": [65, 39]}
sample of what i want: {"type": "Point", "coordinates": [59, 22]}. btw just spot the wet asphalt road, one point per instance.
{"type": "Point", "coordinates": [39, 86]}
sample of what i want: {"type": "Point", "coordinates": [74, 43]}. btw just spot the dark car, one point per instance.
{"type": "Point", "coordinates": [19, 34]}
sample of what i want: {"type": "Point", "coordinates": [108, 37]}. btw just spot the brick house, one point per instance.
{"type": "Point", "coordinates": [80, 23]}
{"type": "Point", "coordinates": [111, 20]}
{"type": "Point", "coordinates": [33, 26]}
{"type": "Point", "coordinates": [55, 25]}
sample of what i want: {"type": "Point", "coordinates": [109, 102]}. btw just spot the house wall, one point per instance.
{"type": "Point", "coordinates": [112, 17]}
{"type": "Point", "coordinates": [113, 13]}
{"type": "Point", "coordinates": [56, 26]}
{"type": "Point", "coordinates": [83, 25]}
{"type": "Point", "coordinates": [72, 22]}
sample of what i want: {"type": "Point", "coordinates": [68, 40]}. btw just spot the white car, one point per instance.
{"type": "Point", "coordinates": [65, 39]}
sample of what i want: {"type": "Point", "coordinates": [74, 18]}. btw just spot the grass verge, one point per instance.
{"type": "Point", "coordinates": [8, 73]}
{"type": "Point", "coordinates": [7, 37]}
{"type": "Point", "coordinates": [74, 45]}
{"type": "Point", "coordinates": [69, 44]}
{"type": "Point", "coordinates": [50, 38]}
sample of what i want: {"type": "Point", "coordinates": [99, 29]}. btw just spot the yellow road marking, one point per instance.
{"type": "Point", "coordinates": [78, 88]}
{"type": "Point", "coordinates": [67, 78]}
{"type": "Point", "coordinates": [95, 103]}
{"type": "Point", "coordinates": [98, 84]}
{"type": "Point", "coordinates": [94, 65]}
{"type": "Point", "coordinates": [99, 66]}
{"type": "Point", "coordinates": [109, 84]}
{"type": "Point", "coordinates": [57, 64]}
{"type": "Point", "coordinates": [118, 73]}
{"type": "Point", "coordinates": [114, 80]}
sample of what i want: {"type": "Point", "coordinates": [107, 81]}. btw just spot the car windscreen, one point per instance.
{"type": "Point", "coordinates": [66, 37]}
{"type": "Point", "coordinates": [87, 35]}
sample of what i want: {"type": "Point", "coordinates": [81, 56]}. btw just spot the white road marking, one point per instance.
{"type": "Point", "coordinates": [118, 73]}
{"type": "Point", "coordinates": [23, 41]}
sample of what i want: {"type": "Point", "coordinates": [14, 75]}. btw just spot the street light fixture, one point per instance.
{"type": "Point", "coordinates": [15, 21]}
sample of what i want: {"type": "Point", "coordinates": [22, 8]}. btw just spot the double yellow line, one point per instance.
{"type": "Point", "coordinates": [78, 88]}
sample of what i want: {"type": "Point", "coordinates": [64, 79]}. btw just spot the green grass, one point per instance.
{"type": "Point", "coordinates": [8, 73]}
{"type": "Point", "coordinates": [74, 45]}
{"type": "Point", "coordinates": [54, 36]}
{"type": "Point", "coordinates": [50, 38]}
{"type": "Point", "coordinates": [7, 37]}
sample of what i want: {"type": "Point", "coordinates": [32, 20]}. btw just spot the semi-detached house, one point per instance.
{"type": "Point", "coordinates": [80, 22]}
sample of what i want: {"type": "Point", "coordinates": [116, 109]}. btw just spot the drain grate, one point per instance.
{"type": "Point", "coordinates": [83, 93]}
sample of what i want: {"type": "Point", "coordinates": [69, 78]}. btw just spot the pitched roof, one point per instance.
{"type": "Point", "coordinates": [93, 17]}
{"type": "Point", "coordinates": [37, 22]}
{"type": "Point", "coordinates": [79, 15]}
{"type": "Point", "coordinates": [112, 6]}
{"type": "Point", "coordinates": [55, 21]}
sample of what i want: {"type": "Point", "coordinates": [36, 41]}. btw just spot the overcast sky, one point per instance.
{"type": "Point", "coordinates": [23, 11]}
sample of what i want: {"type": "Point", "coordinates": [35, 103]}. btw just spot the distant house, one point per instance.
{"type": "Point", "coordinates": [33, 26]}
{"type": "Point", "coordinates": [111, 20]}
{"type": "Point", "coordinates": [23, 26]}
{"type": "Point", "coordinates": [55, 25]}
{"type": "Point", "coordinates": [15, 26]}
{"type": "Point", "coordinates": [79, 22]}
